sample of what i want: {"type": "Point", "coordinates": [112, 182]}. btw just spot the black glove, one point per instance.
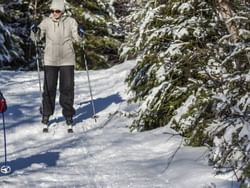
{"type": "Point", "coordinates": [80, 31]}
{"type": "Point", "coordinates": [34, 28]}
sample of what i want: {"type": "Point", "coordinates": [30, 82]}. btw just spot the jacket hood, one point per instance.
{"type": "Point", "coordinates": [58, 5]}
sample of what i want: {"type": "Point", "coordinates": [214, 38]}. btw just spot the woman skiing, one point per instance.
{"type": "Point", "coordinates": [59, 31]}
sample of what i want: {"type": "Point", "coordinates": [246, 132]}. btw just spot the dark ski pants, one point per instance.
{"type": "Point", "coordinates": [66, 88]}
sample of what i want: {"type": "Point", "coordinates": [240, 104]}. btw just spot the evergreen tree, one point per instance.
{"type": "Point", "coordinates": [14, 40]}
{"type": "Point", "coordinates": [192, 74]}
{"type": "Point", "coordinates": [102, 39]}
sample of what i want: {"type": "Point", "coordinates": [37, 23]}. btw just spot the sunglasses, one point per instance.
{"type": "Point", "coordinates": [55, 11]}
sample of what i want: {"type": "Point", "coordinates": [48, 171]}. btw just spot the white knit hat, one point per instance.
{"type": "Point", "coordinates": [57, 5]}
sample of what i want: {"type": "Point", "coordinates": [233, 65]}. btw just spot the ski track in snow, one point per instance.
{"type": "Point", "coordinates": [102, 154]}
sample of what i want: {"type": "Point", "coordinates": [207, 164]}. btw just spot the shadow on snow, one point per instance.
{"type": "Point", "coordinates": [85, 110]}
{"type": "Point", "coordinates": [49, 159]}
{"type": "Point", "coordinates": [100, 104]}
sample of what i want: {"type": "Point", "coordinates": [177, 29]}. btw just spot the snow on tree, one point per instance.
{"type": "Point", "coordinates": [13, 36]}
{"type": "Point", "coordinates": [102, 31]}
{"type": "Point", "coordinates": [192, 74]}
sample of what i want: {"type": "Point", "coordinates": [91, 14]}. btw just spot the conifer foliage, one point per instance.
{"type": "Point", "coordinates": [192, 74]}
{"type": "Point", "coordinates": [14, 38]}
{"type": "Point", "coordinates": [102, 32]}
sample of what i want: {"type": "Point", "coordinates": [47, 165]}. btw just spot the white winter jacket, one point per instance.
{"type": "Point", "coordinates": [59, 35]}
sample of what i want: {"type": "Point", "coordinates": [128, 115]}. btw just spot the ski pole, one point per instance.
{"type": "Point", "coordinates": [38, 71]}
{"type": "Point", "coordinates": [35, 30]}
{"type": "Point", "coordinates": [90, 89]}
{"type": "Point", "coordinates": [5, 169]}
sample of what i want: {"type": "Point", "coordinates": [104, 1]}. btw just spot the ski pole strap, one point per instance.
{"type": "Point", "coordinates": [3, 104]}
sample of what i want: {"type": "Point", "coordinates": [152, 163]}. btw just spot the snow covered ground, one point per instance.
{"type": "Point", "coordinates": [102, 154]}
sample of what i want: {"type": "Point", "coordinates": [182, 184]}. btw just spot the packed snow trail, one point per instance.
{"type": "Point", "coordinates": [102, 154]}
